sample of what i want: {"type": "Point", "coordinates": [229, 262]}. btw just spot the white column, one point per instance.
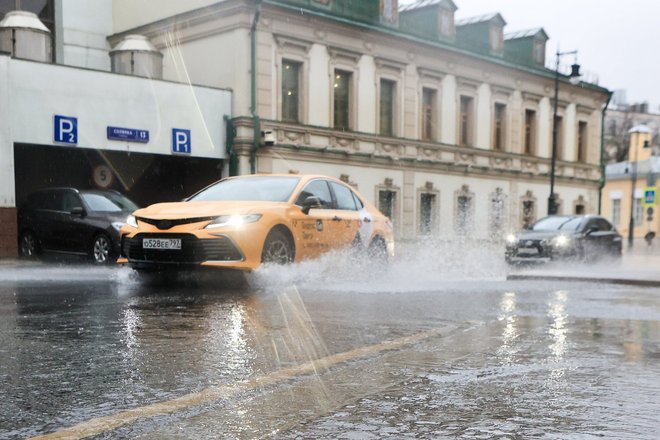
{"type": "Point", "coordinates": [7, 199]}
{"type": "Point", "coordinates": [484, 117]}
{"type": "Point", "coordinates": [449, 110]}
{"type": "Point", "coordinates": [318, 98]}
{"type": "Point", "coordinates": [545, 128]}
{"type": "Point", "coordinates": [367, 104]}
{"type": "Point", "coordinates": [570, 132]}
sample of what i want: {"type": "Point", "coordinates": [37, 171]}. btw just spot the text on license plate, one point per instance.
{"type": "Point", "coordinates": [161, 243]}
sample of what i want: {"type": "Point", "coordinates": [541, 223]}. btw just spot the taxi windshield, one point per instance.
{"type": "Point", "coordinates": [258, 188]}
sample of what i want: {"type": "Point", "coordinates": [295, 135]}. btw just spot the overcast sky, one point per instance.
{"type": "Point", "coordinates": [616, 40]}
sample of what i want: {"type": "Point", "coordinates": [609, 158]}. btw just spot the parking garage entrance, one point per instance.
{"type": "Point", "coordinates": [143, 177]}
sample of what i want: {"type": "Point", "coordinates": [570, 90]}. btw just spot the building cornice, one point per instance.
{"type": "Point", "coordinates": [187, 21]}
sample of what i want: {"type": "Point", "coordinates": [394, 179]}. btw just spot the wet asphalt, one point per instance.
{"type": "Point", "coordinates": [325, 350]}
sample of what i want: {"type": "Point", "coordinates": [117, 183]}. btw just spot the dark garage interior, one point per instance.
{"type": "Point", "coordinates": [144, 178]}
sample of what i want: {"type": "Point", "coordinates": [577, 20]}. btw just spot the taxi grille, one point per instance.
{"type": "Point", "coordinates": [193, 250]}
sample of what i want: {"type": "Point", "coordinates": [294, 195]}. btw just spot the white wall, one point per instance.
{"type": "Point", "coordinates": [217, 61]}
{"type": "Point", "coordinates": [100, 99]}
{"type": "Point", "coordinates": [128, 14]}
{"type": "Point", "coordinates": [6, 145]}
{"type": "Point", "coordinates": [85, 26]}
{"type": "Point", "coordinates": [319, 85]}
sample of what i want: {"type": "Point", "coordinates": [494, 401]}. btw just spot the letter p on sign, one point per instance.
{"type": "Point", "coordinates": [181, 141]}
{"type": "Point", "coordinates": [65, 129]}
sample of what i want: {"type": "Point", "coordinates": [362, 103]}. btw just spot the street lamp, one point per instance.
{"type": "Point", "coordinates": [638, 130]}
{"type": "Point", "coordinates": [574, 78]}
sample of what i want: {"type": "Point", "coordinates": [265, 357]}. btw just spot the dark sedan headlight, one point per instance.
{"type": "Point", "coordinates": [233, 220]}
{"type": "Point", "coordinates": [562, 241]}
{"type": "Point", "coordinates": [511, 239]}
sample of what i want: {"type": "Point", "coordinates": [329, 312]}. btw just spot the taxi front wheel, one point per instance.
{"type": "Point", "coordinates": [378, 250]}
{"type": "Point", "coordinates": [278, 248]}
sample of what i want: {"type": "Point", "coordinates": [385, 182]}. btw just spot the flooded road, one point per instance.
{"type": "Point", "coordinates": [323, 350]}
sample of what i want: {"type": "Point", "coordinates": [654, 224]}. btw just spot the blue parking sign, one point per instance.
{"type": "Point", "coordinates": [181, 141]}
{"type": "Point", "coordinates": [650, 193]}
{"type": "Point", "coordinates": [65, 129]}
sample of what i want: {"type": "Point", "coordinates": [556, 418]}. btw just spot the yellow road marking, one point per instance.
{"type": "Point", "coordinates": [100, 425]}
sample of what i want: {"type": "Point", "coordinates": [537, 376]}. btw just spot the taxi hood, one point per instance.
{"type": "Point", "coordinates": [177, 210]}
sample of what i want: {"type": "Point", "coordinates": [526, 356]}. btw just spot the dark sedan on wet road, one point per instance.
{"type": "Point", "coordinates": [564, 237]}
{"type": "Point", "coordinates": [73, 221]}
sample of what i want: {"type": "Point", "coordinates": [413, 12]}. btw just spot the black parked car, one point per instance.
{"type": "Point", "coordinates": [72, 221]}
{"type": "Point", "coordinates": [578, 237]}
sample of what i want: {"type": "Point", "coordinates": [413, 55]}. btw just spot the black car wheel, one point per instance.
{"type": "Point", "coordinates": [102, 249]}
{"type": "Point", "coordinates": [277, 248]}
{"type": "Point", "coordinates": [28, 242]}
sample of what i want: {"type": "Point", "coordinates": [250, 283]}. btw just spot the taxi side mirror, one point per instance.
{"type": "Point", "coordinates": [311, 202]}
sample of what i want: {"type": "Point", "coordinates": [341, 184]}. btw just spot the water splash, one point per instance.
{"type": "Point", "coordinates": [416, 266]}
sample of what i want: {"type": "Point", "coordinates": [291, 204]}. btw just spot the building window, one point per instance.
{"type": "Point", "coordinates": [579, 209]}
{"type": "Point", "coordinates": [387, 202]}
{"type": "Point", "coordinates": [428, 114]}
{"type": "Point", "coordinates": [447, 23]}
{"type": "Point", "coordinates": [466, 121]}
{"type": "Point", "coordinates": [342, 98]}
{"type": "Point", "coordinates": [639, 212]}
{"type": "Point", "coordinates": [496, 39]}
{"type": "Point", "coordinates": [499, 127]}
{"type": "Point", "coordinates": [528, 213]}
{"type": "Point", "coordinates": [582, 142]}
{"type": "Point", "coordinates": [530, 132]}
{"type": "Point", "coordinates": [427, 209]}
{"type": "Point", "coordinates": [290, 91]}
{"type": "Point", "coordinates": [497, 214]}
{"type": "Point", "coordinates": [616, 212]}
{"type": "Point", "coordinates": [387, 90]}
{"type": "Point", "coordinates": [463, 214]}
{"type": "Point", "coordinates": [539, 52]}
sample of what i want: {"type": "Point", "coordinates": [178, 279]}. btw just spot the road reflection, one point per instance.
{"type": "Point", "coordinates": [508, 314]}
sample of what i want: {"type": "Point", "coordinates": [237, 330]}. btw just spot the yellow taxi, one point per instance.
{"type": "Point", "coordinates": [242, 222]}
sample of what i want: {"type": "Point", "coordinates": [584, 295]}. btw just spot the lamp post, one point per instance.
{"type": "Point", "coordinates": [636, 134]}
{"type": "Point", "coordinates": [574, 77]}
{"type": "Point", "coordinates": [633, 180]}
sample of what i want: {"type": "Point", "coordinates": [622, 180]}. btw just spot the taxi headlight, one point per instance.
{"type": "Point", "coordinates": [233, 220]}
{"type": "Point", "coordinates": [561, 241]}
{"type": "Point", "coordinates": [131, 221]}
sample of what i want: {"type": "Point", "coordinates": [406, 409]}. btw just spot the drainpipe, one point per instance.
{"type": "Point", "coordinates": [256, 124]}
{"type": "Point", "coordinates": [601, 183]}
{"type": "Point", "coordinates": [231, 136]}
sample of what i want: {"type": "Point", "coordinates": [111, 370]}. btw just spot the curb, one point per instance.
{"type": "Point", "coordinates": [624, 281]}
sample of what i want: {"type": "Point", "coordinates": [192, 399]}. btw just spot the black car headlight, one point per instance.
{"type": "Point", "coordinates": [562, 241]}
{"type": "Point", "coordinates": [233, 220]}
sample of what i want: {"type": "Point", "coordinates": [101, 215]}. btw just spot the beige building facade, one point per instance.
{"type": "Point", "coordinates": [445, 124]}
{"type": "Point", "coordinates": [625, 195]}
{"type": "Point", "coordinates": [441, 134]}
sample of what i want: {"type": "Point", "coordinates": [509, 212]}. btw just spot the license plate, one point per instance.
{"type": "Point", "coordinates": [527, 251]}
{"type": "Point", "coordinates": [161, 243]}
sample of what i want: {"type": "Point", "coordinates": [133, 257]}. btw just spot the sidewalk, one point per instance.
{"type": "Point", "coordinates": [638, 266]}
